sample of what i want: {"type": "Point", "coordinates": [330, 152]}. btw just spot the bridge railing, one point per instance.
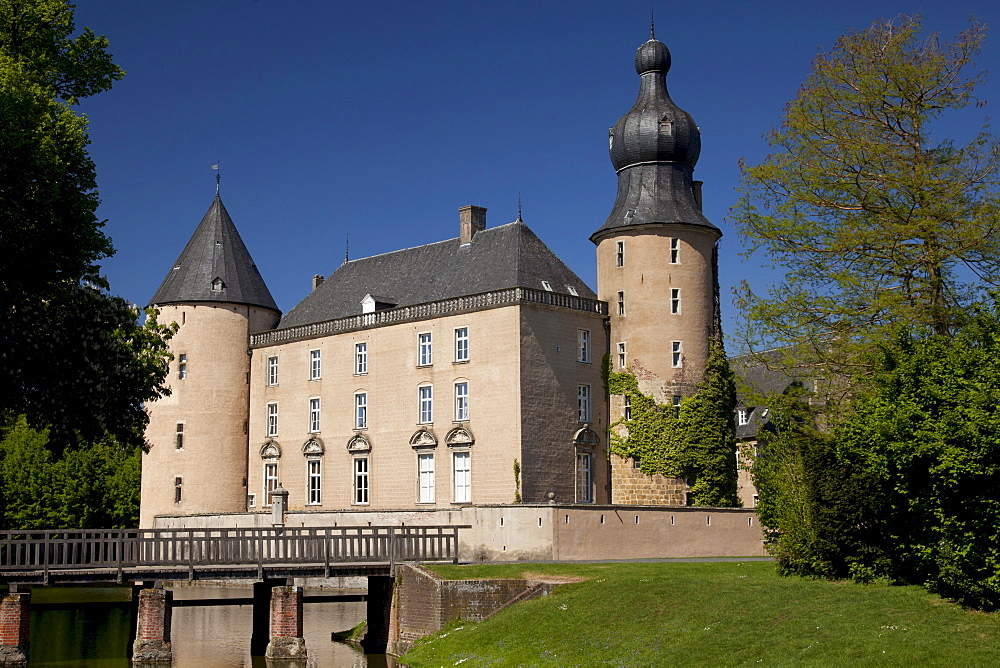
{"type": "Point", "coordinates": [137, 548]}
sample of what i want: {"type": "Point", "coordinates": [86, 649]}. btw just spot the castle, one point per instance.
{"type": "Point", "coordinates": [462, 372]}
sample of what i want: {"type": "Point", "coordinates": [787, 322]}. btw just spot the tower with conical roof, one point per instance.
{"type": "Point", "coordinates": [656, 260]}
{"type": "Point", "coordinates": [198, 435]}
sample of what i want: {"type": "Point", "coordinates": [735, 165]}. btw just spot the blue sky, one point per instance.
{"type": "Point", "coordinates": [378, 120]}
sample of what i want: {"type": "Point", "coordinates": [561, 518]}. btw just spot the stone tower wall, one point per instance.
{"type": "Point", "coordinates": [212, 404]}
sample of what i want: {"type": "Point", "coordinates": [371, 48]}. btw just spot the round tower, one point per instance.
{"type": "Point", "coordinates": [656, 264]}
{"type": "Point", "coordinates": [197, 436]}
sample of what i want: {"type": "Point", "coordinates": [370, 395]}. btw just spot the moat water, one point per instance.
{"type": "Point", "coordinates": [91, 627]}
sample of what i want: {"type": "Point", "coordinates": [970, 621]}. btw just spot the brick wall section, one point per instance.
{"type": "Point", "coordinates": [153, 622]}
{"type": "Point", "coordinates": [424, 603]}
{"type": "Point", "coordinates": [14, 616]}
{"type": "Point", "coordinates": [286, 612]}
{"type": "Point", "coordinates": [632, 487]}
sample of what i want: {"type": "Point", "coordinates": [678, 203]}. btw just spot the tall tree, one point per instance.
{"type": "Point", "coordinates": [73, 357]}
{"type": "Point", "coordinates": [873, 217]}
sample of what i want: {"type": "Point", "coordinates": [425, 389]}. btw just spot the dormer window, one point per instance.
{"type": "Point", "coordinates": [218, 285]}
{"type": "Point", "coordinates": [572, 291]}
{"type": "Point", "coordinates": [629, 215]}
{"type": "Point", "coordinates": [547, 286]}
{"type": "Point", "coordinates": [611, 138]}
{"type": "Point", "coordinates": [742, 416]}
{"type": "Point", "coordinates": [666, 127]}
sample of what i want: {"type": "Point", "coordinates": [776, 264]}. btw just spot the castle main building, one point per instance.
{"type": "Point", "coordinates": [466, 371]}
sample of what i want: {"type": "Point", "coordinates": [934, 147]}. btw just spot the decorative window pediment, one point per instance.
{"type": "Point", "coordinates": [359, 443]}
{"type": "Point", "coordinates": [423, 438]}
{"type": "Point", "coordinates": [270, 450]}
{"type": "Point", "coordinates": [313, 446]}
{"type": "Point", "coordinates": [459, 436]}
{"type": "Point", "coordinates": [586, 436]}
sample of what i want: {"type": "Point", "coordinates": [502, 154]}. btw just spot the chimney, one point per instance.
{"type": "Point", "coordinates": [471, 219]}
{"type": "Point", "coordinates": [317, 280]}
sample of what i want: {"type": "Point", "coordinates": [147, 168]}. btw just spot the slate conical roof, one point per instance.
{"type": "Point", "coordinates": [215, 266]}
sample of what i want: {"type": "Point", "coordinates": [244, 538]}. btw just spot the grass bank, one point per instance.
{"type": "Point", "coordinates": [718, 614]}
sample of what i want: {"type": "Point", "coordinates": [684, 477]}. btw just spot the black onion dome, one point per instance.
{"type": "Point", "coordinates": [653, 56]}
{"type": "Point", "coordinates": [654, 129]}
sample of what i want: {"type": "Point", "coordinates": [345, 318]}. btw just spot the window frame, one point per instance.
{"type": "Point", "coordinates": [361, 358]}
{"type": "Point", "coordinates": [182, 364]}
{"type": "Point", "coordinates": [627, 407]}
{"type": "Point", "coordinates": [272, 419]}
{"type": "Point", "coordinates": [314, 481]}
{"type": "Point", "coordinates": [583, 403]}
{"type": "Point", "coordinates": [622, 354]}
{"type": "Point", "coordinates": [583, 346]}
{"type": "Point", "coordinates": [742, 416]}
{"type": "Point", "coordinates": [359, 478]}
{"type": "Point", "coordinates": [315, 409]}
{"type": "Point", "coordinates": [621, 302]}
{"type": "Point", "coordinates": [675, 301]}
{"type": "Point", "coordinates": [269, 468]}
{"type": "Point", "coordinates": [677, 354]}
{"type": "Point", "coordinates": [675, 250]}
{"type": "Point", "coordinates": [179, 444]}
{"type": "Point", "coordinates": [361, 410]}
{"type": "Point", "coordinates": [425, 415]}
{"type": "Point", "coordinates": [425, 349]}
{"type": "Point", "coordinates": [462, 344]}
{"type": "Point", "coordinates": [426, 492]}
{"type": "Point", "coordinates": [461, 493]}
{"type": "Point", "coordinates": [587, 480]}
{"type": "Point", "coordinates": [315, 364]}
{"type": "Point", "coordinates": [620, 254]}
{"type": "Point", "coordinates": [272, 371]}
{"type": "Point", "coordinates": [461, 401]}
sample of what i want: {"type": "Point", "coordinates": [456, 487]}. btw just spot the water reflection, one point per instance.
{"type": "Point", "coordinates": [75, 626]}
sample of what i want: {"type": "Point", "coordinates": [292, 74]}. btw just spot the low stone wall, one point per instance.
{"type": "Point", "coordinates": [543, 532]}
{"type": "Point", "coordinates": [424, 603]}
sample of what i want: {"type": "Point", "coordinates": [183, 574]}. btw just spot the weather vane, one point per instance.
{"type": "Point", "coordinates": [218, 176]}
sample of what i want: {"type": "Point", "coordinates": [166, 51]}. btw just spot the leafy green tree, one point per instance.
{"type": "Point", "coordinates": [927, 433]}
{"type": "Point", "coordinates": [872, 216]}
{"type": "Point", "coordinates": [75, 360]}
{"type": "Point", "coordinates": [698, 442]}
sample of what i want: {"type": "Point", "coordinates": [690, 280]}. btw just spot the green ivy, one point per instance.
{"type": "Point", "coordinates": [698, 442]}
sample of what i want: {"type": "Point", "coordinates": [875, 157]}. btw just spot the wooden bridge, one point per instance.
{"type": "Point", "coordinates": [110, 555]}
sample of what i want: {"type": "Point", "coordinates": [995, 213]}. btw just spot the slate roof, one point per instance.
{"type": "Point", "coordinates": [500, 257]}
{"type": "Point", "coordinates": [215, 251]}
{"type": "Point", "coordinates": [755, 379]}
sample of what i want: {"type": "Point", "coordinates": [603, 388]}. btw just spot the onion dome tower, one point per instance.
{"type": "Point", "coordinates": [197, 436]}
{"type": "Point", "coordinates": [656, 252]}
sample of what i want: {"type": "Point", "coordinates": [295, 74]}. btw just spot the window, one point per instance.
{"type": "Point", "coordinates": [462, 344]}
{"type": "Point", "coordinates": [620, 255]}
{"type": "Point", "coordinates": [251, 500]}
{"type": "Point", "coordinates": [742, 416]}
{"type": "Point", "coordinates": [666, 128]}
{"type": "Point", "coordinates": [637, 462]}
{"type": "Point", "coordinates": [272, 419]}
{"type": "Point", "coordinates": [315, 481]}
{"type": "Point", "coordinates": [583, 345]}
{"type": "Point", "coordinates": [270, 481]}
{"type": "Point", "coordinates": [583, 477]}
{"type": "Point", "coordinates": [463, 477]}
{"type": "Point", "coordinates": [272, 370]}
{"type": "Point", "coordinates": [182, 366]}
{"type": "Point", "coordinates": [426, 404]}
{"type": "Point", "coordinates": [622, 359]}
{"type": "Point", "coordinates": [621, 303]}
{"type": "Point", "coordinates": [572, 291]}
{"type": "Point", "coordinates": [425, 467]}
{"type": "Point", "coordinates": [360, 358]}
{"type": "Point", "coordinates": [676, 354]}
{"type": "Point", "coordinates": [361, 480]}
{"type": "Point", "coordinates": [675, 300]}
{"type": "Point", "coordinates": [583, 403]}
{"type": "Point", "coordinates": [628, 407]}
{"type": "Point", "coordinates": [461, 402]}
{"type": "Point", "coordinates": [424, 350]}
{"type": "Point", "coordinates": [180, 435]}
{"type": "Point", "coordinates": [314, 415]}
{"type": "Point", "coordinates": [677, 405]}
{"type": "Point", "coordinates": [547, 286]}
{"type": "Point", "coordinates": [361, 410]}
{"type": "Point", "coordinates": [675, 251]}
{"type": "Point", "coordinates": [178, 484]}
{"type": "Point", "coordinates": [315, 364]}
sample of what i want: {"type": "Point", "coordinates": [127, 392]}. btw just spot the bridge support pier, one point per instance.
{"type": "Point", "coordinates": [152, 632]}
{"type": "Point", "coordinates": [380, 592]}
{"type": "Point", "coordinates": [286, 624]}
{"type": "Point", "coordinates": [14, 615]}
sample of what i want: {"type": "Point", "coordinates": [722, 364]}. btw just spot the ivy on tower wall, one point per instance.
{"type": "Point", "coordinates": [696, 442]}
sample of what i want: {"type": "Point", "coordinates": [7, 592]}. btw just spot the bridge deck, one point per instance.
{"type": "Point", "coordinates": [110, 555]}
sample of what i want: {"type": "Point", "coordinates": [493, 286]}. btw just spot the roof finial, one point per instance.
{"type": "Point", "coordinates": [218, 176]}
{"type": "Point", "coordinates": [347, 248]}
{"type": "Point", "coordinates": [519, 208]}
{"type": "Point", "coordinates": [651, 33]}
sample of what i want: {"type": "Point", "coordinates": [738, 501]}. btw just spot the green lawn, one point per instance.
{"type": "Point", "coordinates": [711, 614]}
